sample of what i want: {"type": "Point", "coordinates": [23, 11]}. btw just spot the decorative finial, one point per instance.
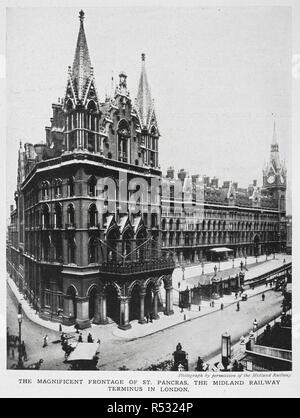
{"type": "Point", "coordinates": [143, 56]}
{"type": "Point", "coordinates": [81, 15]}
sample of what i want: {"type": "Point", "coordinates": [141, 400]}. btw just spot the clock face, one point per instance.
{"type": "Point", "coordinates": [271, 179]}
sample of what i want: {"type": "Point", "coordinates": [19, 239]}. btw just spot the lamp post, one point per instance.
{"type": "Point", "coordinates": [202, 265]}
{"type": "Point", "coordinates": [255, 329]}
{"type": "Point", "coordinates": [226, 350]}
{"type": "Point", "coordinates": [215, 270]}
{"type": "Point", "coordinates": [20, 318]}
{"type": "Point", "coordinates": [219, 263]}
{"type": "Point", "coordinates": [233, 262]}
{"type": "Point", "coordinates": [246, 262]}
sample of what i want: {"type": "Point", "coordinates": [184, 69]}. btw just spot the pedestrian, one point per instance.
{"type": "Point", "coordinates": [45, 339]}
{"type": "Point", "coordinates": [236, 295]}
{"type": "Point", "coordinates": [238, 306]}
{"type": "Point", "coordinates": [222, 306]}
{"type": "Point", "coordinates": [151, 317]}
{"type": "Point", "coordinates": [80, 338]}
{"type": "Point", "coordinates": [90, 338]}
{"type": "Point", "coordinates": [76, 326]}
{"type": "Point", "coordinates": [60, 328]}
{"type": "Point", "coordinates": [147, 317]}
{"type": "Point", "coordinates": [263, 297]}
{"type": "Point", "coordinates": [213, 304]}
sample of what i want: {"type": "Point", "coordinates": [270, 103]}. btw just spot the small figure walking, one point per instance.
{"type": "Point", "coordinates": [45, 341]}
{"type": "Point", "coordinates": [212, 303]}
{"type": "Point", "coordinates": [238, 306]}
{"type": "Point", "coordinates": [90, 338]}
{"type": "Point", "coordinates": [80, 338]}
{"type": "Point", "coordinates": [76, 326]}
{"type": "Point", "coordinates": [263, 297]}
{"type": "Point", "coordinates": [151, 317]}
{"type": "Point", "coordinates": [60, 328]}
{"type": "Point", "coordinates": [147, 317]}
{"type": "Point", "coordinates": [222, 306]}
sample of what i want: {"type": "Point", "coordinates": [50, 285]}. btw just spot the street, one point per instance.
{"type": "Point", "coordinates": [33, 334]}
{"type": "Point", "coordinates": [199, 337]}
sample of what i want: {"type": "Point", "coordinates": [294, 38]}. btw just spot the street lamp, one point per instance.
{"type": "Point", "coordinates": [255, 328]}
{"type": "Point", "coordinates": [20, 318]}
{"type": "Point", "coordinates": [246, 262]}
{"type": "Point", "coordinates": [202, 265]}
{"type": "Point", "coordinates": [226, 350]}
{"type": "Point", "coordinates": [233, 262]}
{"type": "Point", "coordinates": [219, 263]}
{"type": "Point", "coordinates": [183, 269]}
{"type": "Point", "coordinates": [215, 270]}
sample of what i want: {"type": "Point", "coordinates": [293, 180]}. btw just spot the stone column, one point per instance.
{"type": "Point", "coordinates": [68, 314]}
{"type": "Point", "coordinates": [82, 305]}
{"type": "Point", "coordinates": [97, 310]}
{"type": "Point", "coordinates": [155, 304]}
{"type": "Point", "coordinates": [124, 313]}
{"type": "Point", "coordinates": [142, 308]}
{"type": "Point", "coordinates": [102, 309]}
{"type": "Point", "coordinates": [169, 301]}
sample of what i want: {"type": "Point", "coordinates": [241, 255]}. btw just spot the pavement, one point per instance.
{"type": "Point", "coordinates": [119, 348]}
{"type": "Point", "coordinates": [192, 276]}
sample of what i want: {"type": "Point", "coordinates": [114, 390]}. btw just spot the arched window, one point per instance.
{"type": "Point", "coordinates": [58, 216]}
{"type": "Point", "coordinates": [94, 251]}
{"type": "Point", "coordinates": [71, 251]}
{"type": "Point", "coordinates": [93, 216]}
{"type": "Point", "coordinates": [71, 215]}
{"type": "Point", "coordinates": [112, 241]}
{"type": "Point", "coordinates": [123, 141]}
{"type": "Point", "coordinates": [45, 190]}
{"type": "Point", "coordinates": [92, 182]}
{"type": "Point", "coordinates": [45, 217]}
{"type": "Point", "coordinates": [57, 188]}
{"type": "Point", "coordinates": [126, 243]}
{"type": "Point", "coordinates": [71, 187]}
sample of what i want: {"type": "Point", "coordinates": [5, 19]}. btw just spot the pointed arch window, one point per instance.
{"type": "Point", "coordinates": [45, 217]}
{"type": "Point", "coordinates": [92, 182]}
{"type": "Point", "coordinates": [94, 251]}
{"type": "Point", "coordinates": [45, 190]}
{"type": "Point", "coordinates": [57, 188]}
{"type": "Point", "coordinates": [71, 187]}
{"type": "Point", "coordinates": [123, 141]}
{"type": "Point", "coordinates": [71, 251]}
{"type": "Point", "coordinates": [58, 216]}
{"type": "Point", "coordinates": [71, 215]}
{"type": "Point", "coordinates": [93, 216]}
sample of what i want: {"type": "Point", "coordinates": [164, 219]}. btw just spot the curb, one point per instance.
{"type": "Point", "coordinates": [192, 319]}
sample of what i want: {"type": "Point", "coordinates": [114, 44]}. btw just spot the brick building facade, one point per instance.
{"type": "Point", "coordinates": [79, 248]}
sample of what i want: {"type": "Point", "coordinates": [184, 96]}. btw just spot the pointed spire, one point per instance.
{"type": "Point", "coordinates": [144, 103]}
{"type": "Point", "coordinates": [81, 71]}
{"type": "Point", "coordinates": [275, 160]}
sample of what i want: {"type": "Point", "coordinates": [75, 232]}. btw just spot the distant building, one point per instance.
{"type": "Point", "coordinates": [202, 220]}
{"type": "Point", "coordinates": [289, 234]}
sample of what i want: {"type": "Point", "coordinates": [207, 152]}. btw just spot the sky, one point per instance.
{"type": "Point", "coordinates": [219, 77]}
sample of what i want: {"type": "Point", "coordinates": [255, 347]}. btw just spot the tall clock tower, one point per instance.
{"type": "Point", "coordinates": [274, 176]}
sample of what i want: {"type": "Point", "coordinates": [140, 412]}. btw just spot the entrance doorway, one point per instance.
{"type": "Point", "coordinates": [92, 302]}
{"type": "Point", "coordinates": [112, 304]}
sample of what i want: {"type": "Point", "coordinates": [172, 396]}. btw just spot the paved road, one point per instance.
{"type": "Point", "coordinates": [33, 334]}
{"type": "Point", "coordinates": [200, 337]}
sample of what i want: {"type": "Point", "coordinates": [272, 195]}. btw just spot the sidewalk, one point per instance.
{"type": "Point", "coordinates": [112, 332]}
